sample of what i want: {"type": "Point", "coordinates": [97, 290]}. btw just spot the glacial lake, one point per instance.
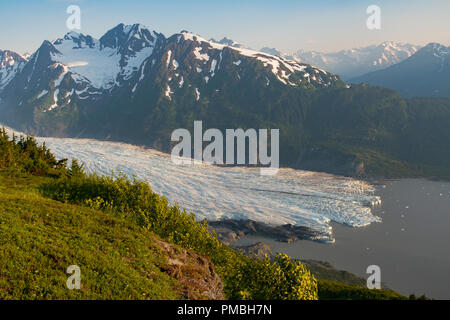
{"type": "Point", "coordinates": [411, 245]}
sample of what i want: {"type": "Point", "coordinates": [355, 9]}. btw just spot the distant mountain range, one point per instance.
{"type": "Point", "coordinates": [354, 62]}
{"type": "Point", "coordinates": [136, 85]}
{"type": "Point", "coordinates": [412, 71]}
{"type": "Point", "coordinates": [229, 42]}
{"type": "Point", "coordinates": [426, 73]}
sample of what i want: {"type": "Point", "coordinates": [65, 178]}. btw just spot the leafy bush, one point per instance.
{"type": "Point", "coordinates": [333, 290]}
{"type": "Point", "coordinates": [134, 200]}
{"type": "Point", "coordinates": [23, 155]}
{"type": "Point", "coordinates": [279, 278]}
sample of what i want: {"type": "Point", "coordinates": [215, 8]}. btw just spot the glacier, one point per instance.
{"type": "Point", "coordinates": [297, 197]}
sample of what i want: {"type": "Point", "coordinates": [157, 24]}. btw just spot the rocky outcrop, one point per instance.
{"type": "Point", "coordinates": [195, 273]}
{"type": "Point", "coordinates": [260, 249]}
{"type": "Point", "coordinates": [229, 231]}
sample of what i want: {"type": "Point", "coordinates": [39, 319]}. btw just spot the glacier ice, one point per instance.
{"type": "Point", "coordinates": [298, 197]}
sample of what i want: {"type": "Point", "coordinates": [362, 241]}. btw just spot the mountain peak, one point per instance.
{"type": "Point", "coordinates": [137, 27]}
{"type": "Point", "coordinates": [425, 73]}
{"type": "Point", "coordinates": [388, 44]}
{"type": "Point", "coordinates": [128, 37]}
{"type": "Point", "coordinates": [355, 62]}
{"type": "Point", "coordinates": [26, 55]}
{"type": "Point", "coordinates": [72, 34]}
{"type": "Point", "coordinates": [10, 64]}
{"type": "Point", "coordinates": [436, 49]}
{"type": "Point", "coordinates": [123, 29]}
{"type": "Point", "coordinates": [228, 42]}
{"type": "Point", "coordinates": [272, 51]}
{"type": "Point", "coordinates": [435, 46]}
{"type": "Point", "coordinates": [47, 48]}
{"type": "Point", "coordinates": [78, 39]}
{"type": "Point", "coordinates": [9, 58]}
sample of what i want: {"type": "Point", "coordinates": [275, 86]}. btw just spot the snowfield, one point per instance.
{"type": "Point", "coordinates": [298, 197]}
{"type": "Point", "coordinates": [100, 67]}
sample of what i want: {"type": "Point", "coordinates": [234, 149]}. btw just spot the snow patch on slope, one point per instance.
{"type": "Point", "coordinates": [100, 65]}
{"type": "Point", "coordinates": [282, 68]}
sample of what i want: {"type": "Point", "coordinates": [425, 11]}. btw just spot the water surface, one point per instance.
{"type": "Point", "coordinates": [411, 245]}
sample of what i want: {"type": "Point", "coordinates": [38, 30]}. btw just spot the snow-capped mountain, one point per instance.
{"type": "Point", "coordinates": [354, 62]}
{"type": "Point", "coordinates": [26, 56]}
{"type": "Point", "coordinates": [188, 56]}
{"type": "Point", "coordinates": [44, 82]}
{"type": "Point", "coordinates": [78, 67]}
{"type": "Point", "coordinates": [10, 64]}
{"type": "Point", "coordinates": [426, 73]}
{"type": "Point", "coordinates": [272, 51]}
{"type": "Point", "coordinates": [136, 85]}
{"type": "Point", "coordinates": [108, 61]}
{"type": "Point", "coordinates": [131, 83]}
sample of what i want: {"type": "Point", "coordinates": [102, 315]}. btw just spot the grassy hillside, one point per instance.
{"type": "Point", "coordinates": [40, 238]}
{"type": "Point", "coordinates": [334, 290]}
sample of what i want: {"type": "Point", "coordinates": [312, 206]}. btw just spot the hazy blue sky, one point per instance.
{"type": "Point", "coordinates": [325, 25]}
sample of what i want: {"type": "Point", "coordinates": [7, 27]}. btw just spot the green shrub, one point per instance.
{"type": "Point", "coordinates": [23, 154]}
{"type": "Point", "coordinates": [333, 290]}
{"type": "Point", "coordinates": [279, 278]}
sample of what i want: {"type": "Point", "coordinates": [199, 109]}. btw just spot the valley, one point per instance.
{"type": "Point", "coordinates": [148, 163]}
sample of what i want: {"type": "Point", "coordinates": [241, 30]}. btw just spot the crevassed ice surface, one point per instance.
{"type": "Point", "coordinates": [298, 197]}
{"type": "Point", "coordinates": [302, 198]}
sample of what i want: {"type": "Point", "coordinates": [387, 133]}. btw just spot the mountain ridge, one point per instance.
{"type": "Point", "coordinates": [426, 73]}
{"type": "Point", "coordinates": [97, 65]}
{"type": "Point", "coordinates": [354, 62]}
{"type": "Point", "coordinates": [10, 63]}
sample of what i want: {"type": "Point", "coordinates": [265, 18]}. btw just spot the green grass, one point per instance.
{"type": "Point", "coordinates": [40, 238]}
{"type": "Point", "coordinates": [333, 290]}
